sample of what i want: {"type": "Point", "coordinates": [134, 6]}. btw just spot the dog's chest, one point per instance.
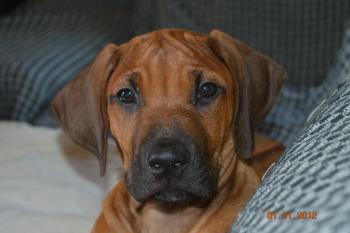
{"type": "Point", "coordinates": [181, 221]}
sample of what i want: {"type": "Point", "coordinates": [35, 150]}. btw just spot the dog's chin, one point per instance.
{"type": "Point", "coordinates": [173, 196]}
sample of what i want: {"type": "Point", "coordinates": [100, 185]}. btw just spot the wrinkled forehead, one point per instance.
{"type": "Point", "coordinates": [172, 49]}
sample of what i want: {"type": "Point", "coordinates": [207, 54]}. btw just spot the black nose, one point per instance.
{"type": "Point", "coordinates": [168, 157]}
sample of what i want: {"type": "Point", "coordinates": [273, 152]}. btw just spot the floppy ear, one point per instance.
{"type": "Point", "coordinates": [81, 106]}
{"type": "Point", "coordinates": [259, 81]}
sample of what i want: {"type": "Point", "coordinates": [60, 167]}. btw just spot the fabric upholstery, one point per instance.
{"type": "Point", "coordinates": [48, 183]}
{"type": "Point", "coordinates": [44, 44]}
{"type": "Point", "coordinates": [313, 175]}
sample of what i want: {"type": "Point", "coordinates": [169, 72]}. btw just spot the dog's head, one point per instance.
{"type": "Point", "coordinates": [180, 106]}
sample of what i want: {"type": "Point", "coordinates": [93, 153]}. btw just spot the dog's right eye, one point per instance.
{"type": "Point", "coordinates": [126, 96]}
{"type": "Point", "coordinates": [207, 90]}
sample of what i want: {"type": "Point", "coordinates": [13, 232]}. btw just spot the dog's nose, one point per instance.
{"type": "Point", "coordinates": [166, 163]}
{"type": "Point", "coordinates": [168, 157]}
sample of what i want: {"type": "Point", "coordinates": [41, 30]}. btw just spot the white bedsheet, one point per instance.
{"type": "Point", "coordinates": [47, 183]}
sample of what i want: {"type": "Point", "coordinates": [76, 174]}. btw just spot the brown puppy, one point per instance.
{"type": "Point", "coordinates": [182, 108]}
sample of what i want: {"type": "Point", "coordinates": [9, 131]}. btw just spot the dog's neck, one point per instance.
{"type": "Point", "coordinates": [155, 217]}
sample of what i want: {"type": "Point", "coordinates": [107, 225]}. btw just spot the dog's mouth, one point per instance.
{"type": "Point", "coordinates": [172, 196]}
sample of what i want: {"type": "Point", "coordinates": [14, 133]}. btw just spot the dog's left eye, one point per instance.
{"type": "Point", "coordinates": [126, 96]}
{"type": "Point", "coordinates": [207, 90]}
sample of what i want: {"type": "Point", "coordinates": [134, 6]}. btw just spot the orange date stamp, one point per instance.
{"type": "Point", "coordinates": [292, 215]}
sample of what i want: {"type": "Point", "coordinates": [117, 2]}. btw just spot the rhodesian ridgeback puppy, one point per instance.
{"type": "Point", "coordinates": [182, 108]}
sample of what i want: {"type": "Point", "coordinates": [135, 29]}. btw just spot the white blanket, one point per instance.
{"type": "Point", "coordinates": [47, 183]}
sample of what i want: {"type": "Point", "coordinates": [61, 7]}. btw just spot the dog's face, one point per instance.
{"type": "Point", "coordinates": [171, 100]}
{"type": "Point", "coordinates": [179, 105]}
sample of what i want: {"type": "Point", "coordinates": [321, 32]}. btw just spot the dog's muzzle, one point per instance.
{"type": "Point", "coordinates": [171, 167]}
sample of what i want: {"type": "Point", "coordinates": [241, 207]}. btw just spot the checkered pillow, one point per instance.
{"type": "Point", "coordinates": [44, 44]}
{"type": "Point", "coordinates": [312, 176]}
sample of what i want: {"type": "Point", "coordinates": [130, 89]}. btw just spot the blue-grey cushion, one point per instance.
{"type": "Point", "coordinates": [44, 44]}
{"type": "Point", "coordinates": [312, 175]}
